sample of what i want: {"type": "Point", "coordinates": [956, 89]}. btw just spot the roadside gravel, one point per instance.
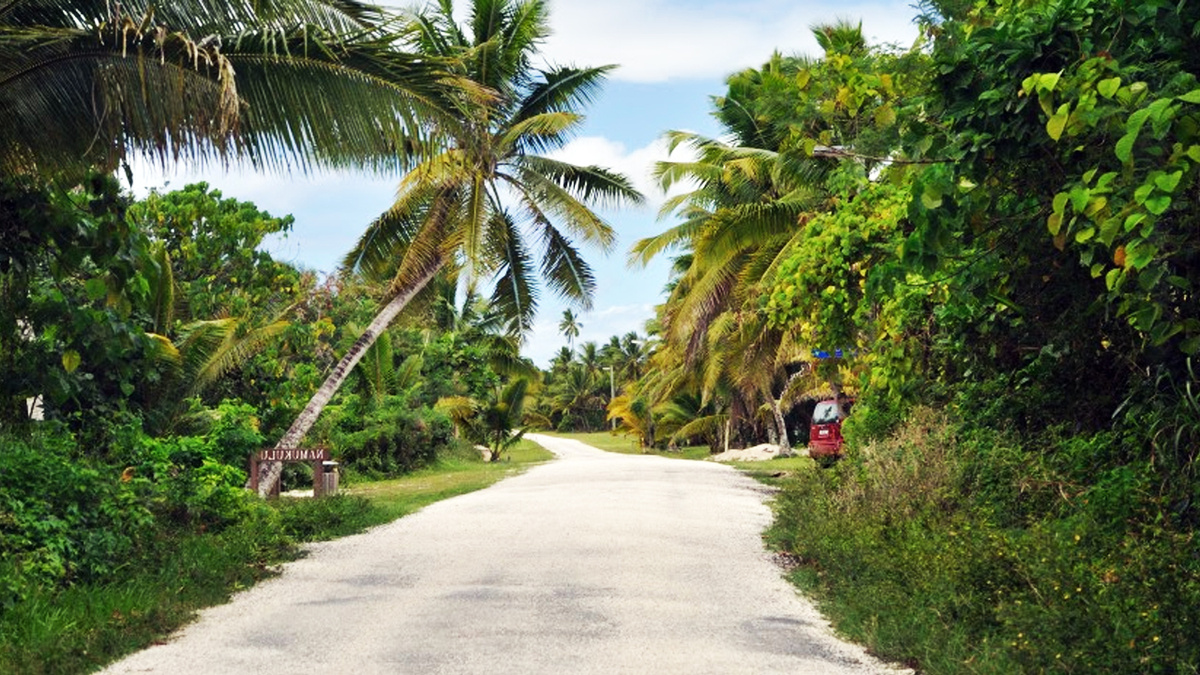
{"type": "Point", "coordinates": [595, 563]}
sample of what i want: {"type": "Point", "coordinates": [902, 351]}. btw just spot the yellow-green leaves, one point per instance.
{"type": "Point", "coordinates": [1058, 121]}
{"type": "Point", "coordinates": [71, 360]}
{"type": "Point", "coordinates": [1108, 88]}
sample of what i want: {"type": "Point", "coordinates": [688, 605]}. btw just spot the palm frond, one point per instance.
{"type": "Point", "coordinates": [540, 133]}
{"type": "Point", "coordinates": [591, 185]}
{"type": "Point", "coordinates": [565, 270]}
{"type": "Point", "coordinates": [562, 90]}
{"type": "Point", "coordinates": [514, 295]}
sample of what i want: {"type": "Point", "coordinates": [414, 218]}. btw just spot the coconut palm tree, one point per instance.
{"type": "Point", "coordinates": [488, 201]}
{"type": "Point", "coordinates": [278, 83]}
{"type": "Point", "coordinates": [569, 326]}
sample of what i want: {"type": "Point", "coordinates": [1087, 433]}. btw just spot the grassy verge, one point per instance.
{"type": "Point", "coordinates": [80, 628]}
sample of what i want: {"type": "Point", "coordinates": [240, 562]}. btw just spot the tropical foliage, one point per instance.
{"type": "Point", "coordinates": [990, 236]}
{"type": "Point", "coordinates": [87, 84]}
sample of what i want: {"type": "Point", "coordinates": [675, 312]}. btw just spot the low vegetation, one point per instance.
{"type": "Point", "coordinates": [103, 576]}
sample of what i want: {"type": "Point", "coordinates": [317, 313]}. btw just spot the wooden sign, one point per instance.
{"type": "Point", "coordinates": [294, 455]}
{"type": "Point", "coordinates": [314, 456]}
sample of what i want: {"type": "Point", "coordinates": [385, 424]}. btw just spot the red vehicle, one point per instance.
{"type": "Point", "coordinates": [825, 434]}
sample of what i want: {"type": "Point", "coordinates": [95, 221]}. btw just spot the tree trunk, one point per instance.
{"type": "Point", "coordinates": [785, 444]}
{"type": "Point", "coordinates": [307, 417]}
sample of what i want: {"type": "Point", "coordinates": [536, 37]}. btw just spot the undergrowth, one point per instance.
{"type": "Point", "coordinates": [960, 550]}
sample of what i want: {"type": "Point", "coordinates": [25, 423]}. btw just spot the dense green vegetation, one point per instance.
{"type": "Point", "coordinates": [149, 346]}
{"type": "Point", "coordinates": [996, 228]}
{"type": "Point", "coordinates": [993, 232]}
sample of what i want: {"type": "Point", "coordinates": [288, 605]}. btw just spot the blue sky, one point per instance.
{"type": "Point", "coordinates": [673, 55]}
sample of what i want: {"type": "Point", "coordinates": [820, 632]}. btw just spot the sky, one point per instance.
{"type": "Point", "coordinates": [672, 57]}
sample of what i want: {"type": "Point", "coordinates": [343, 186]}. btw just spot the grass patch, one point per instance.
{"type": "Point", "coordinates": [83, 627]}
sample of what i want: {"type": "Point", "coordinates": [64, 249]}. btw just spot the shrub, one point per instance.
{"type": "Point", "coordinates": [393, 438]}
{"type": "Point", "coordinates": [962, 550]}
{"type": "Point", "coordinates": [62, 519]}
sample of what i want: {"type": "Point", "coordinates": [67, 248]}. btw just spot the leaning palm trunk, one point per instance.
{"type": "Point", "coordinates": [785, 443]}
{"type": "Point", "coordinates": [341, 371]}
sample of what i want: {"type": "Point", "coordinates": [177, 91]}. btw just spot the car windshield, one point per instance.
{"type": "Point", "coordinates": [825, 412]}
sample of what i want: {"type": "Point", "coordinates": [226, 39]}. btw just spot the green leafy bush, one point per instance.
{"type": "Point", "coordinates": [393, 438]}
{"type": "Point", "coordinates": [963, 550]}
{"type": "Point", "coordinates": [62, 519]}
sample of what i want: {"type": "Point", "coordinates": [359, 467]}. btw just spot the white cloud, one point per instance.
{"type": "Point", "coordinates": [657, 40]}
{"type": "Point", "coordinates": [637, 164]}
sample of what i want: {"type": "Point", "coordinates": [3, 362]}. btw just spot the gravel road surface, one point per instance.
{"type": "Point", "coordinates": [594, 563]}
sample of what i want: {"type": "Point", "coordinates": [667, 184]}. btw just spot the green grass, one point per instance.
{"type": "Point", "coordinates": [83, 627]}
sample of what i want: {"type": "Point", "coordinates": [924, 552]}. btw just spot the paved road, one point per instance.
{"type": "Point", "coordinates": [595, 563]}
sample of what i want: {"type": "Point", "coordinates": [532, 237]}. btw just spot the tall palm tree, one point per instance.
{"type": "Point", "coordinates": [569, 326]}
{"type": "Point", "coordinates": [754, 193]}
{"type": "Point", "coordinates": [278, 83]}
{"type": "Point", "coordinates": [488, 201]}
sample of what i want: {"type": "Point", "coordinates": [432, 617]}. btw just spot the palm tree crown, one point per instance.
{"type": "Point", "coordinates": [280, 83]}
{"type": "Point", "coordinates": [492, 199]}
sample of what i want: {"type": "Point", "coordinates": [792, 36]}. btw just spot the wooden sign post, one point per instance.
{"type": "Point", "coordinates": [314, 456]}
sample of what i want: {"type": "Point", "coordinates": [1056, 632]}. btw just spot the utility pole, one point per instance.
{"type": "Point", "coordinates": [612, 393]}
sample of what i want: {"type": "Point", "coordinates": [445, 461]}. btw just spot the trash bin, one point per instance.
{"type": "Point", "coordinates": [329, 478]}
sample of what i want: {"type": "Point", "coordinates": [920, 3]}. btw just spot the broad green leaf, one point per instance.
{"type": "Point", "coordinates": [1192, 96]}
{"type": "Point", "coordinates": [1124, 147]}
{"type": "Point", "coordinates": [1097, 270]}
{"type": "Point", "coordinates": [1105, 181]}
{"type": "Point", "coordinates": [1133, 126]}
{"type": "Point", "coordinates": [1054, 223]}
{"type": "Point", "coordinates": [1056, 124]}
{"type": "Point", "coordinates": [1150, 277]}
{"type": "Point", "coordinates": [1133, 220]}
{"type": "Point", "coordinates": [1193, 153]}
{"type": "Point", "coordinates": [1048, 81]}
{"type": "Point", "coordinates": [1060, 202]}
{"type": "Point", "coordinates": [1109, 229]}
{"type": "Point", "coordinates": [1158, 204]}
{"type": "Point", "coordinates": [1029, 84]}
{"type": "Point", "coordinates": [71, 360]}
{"type": "Point", "coordinates": [1168, 182]}
{"type": "Point", "coordinates": [1136, 120]}
{"type": "Point", "coordinates": [1109, 87]}
{"type": "Point", "coordinates": [1138, 257]}
{"type": "Point", "coordinates": [1089, 175]}
{"type": "Point", "coordinates": [1142, 193]}
{"type": "Point", "coordinates": [1085, 235]}
{"type": "Point", "coordinates": [1095, 205]}
{"type": "Point", "coordinates": [1157, 109]}
{"type": "Point", "coordinates": [1113, 278]}
{"type": "Point", "coordinates": [1079, 198]}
